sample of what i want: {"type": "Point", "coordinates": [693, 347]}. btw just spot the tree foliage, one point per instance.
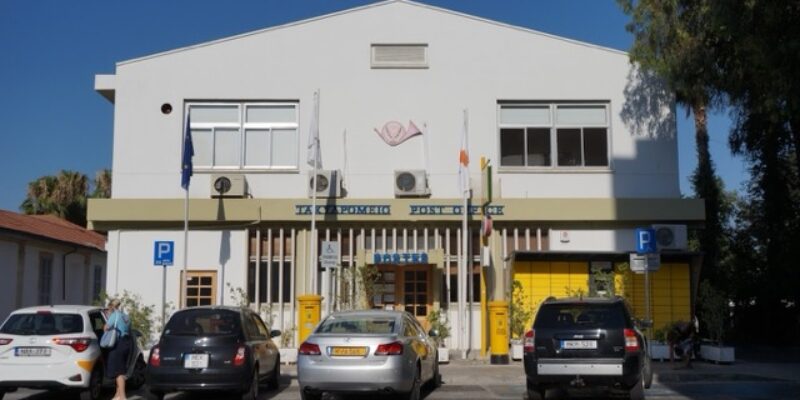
{"type": "Point", "coordinates": [64, 195]}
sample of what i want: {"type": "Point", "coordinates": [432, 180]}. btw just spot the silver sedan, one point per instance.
{"type": "Point", "coordinates": [387, 352]}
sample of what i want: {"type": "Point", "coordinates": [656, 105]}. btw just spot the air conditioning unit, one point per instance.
{"type": "Point", "coordinates": [411, 183]}
{"type": "Point", "coordinates": [329, 184]}
{"type": "Point", "coordinates": [671, 237]}
{"type": "Point", "coordinates": [228, 185]}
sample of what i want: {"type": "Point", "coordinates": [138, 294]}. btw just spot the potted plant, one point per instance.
{"type": "Point", "coordinates": [440, 325]}
{"type": "Point", "coordinates": [288, 353]}
{"type": "Point", "coordinates": [659, 349]}
{"type": "Point", "coordinates": [519, 315]}
{"type": "Point", "coordinates": [714, 311]}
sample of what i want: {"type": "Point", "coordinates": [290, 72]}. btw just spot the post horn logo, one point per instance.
{"type": "Point", "coordinates": [394, 133]}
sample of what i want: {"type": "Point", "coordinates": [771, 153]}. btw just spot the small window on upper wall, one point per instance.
{"type": "Point", "coordinates": [554, 135]}
{"type": "Point", "coordinates": [244, 135]}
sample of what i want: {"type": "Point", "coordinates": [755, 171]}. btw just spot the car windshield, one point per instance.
{"type": "Point", "coordinates": [204, 322]}
{"type": "Point", "coordinates": [42, 324]}
{"type": "Point", "coordinates": [357, 324]}
{"type": "Point", "coordinates": [580, 316]}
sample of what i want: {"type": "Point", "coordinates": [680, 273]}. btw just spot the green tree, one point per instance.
{"type": "Point", "coordinates": [64, 195]}
{"type": "Point", "coordinates": [671, 39]}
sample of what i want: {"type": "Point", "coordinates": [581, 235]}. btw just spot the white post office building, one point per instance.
{"type": "Point", "coordinates": [583, 151]}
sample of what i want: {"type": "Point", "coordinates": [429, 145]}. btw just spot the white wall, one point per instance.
{"type": "Point", "coordinates": [8, 284]}
{"type": "Point", "coordinates": [473, 65]}
{"type": "Point", "coordinates": [130, 262]}
{"type": "Point", "coordinates": [594, 240]}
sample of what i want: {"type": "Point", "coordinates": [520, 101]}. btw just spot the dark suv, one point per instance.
{"type": "Point", "coordinates": [586, 342]}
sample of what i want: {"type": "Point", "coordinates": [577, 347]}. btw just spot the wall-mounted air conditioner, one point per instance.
{"type": "Point", "coordinates": [671, 237]}
{"type": "Point", "coordinates": [228, 185]}
{"type": "Point", "coordinates": [329, 183]}
{"type": "Point", "coordinates": [411, 183]}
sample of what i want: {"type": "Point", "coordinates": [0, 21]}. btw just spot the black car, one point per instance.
{"type": "Point", "coordinates": [214, 349]}
{"type": "Point", "coordinates": [586, 343]}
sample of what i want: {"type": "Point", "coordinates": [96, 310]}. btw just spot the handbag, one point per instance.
{"type": "Point", "coordinates": [110, 337]}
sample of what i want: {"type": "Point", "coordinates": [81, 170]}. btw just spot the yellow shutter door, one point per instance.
{"type": "Point", "coordinates": [669, 291]}
{"type": "Point", "coordinates": [541, 280]}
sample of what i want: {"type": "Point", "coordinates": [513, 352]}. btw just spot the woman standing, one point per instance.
{"type": "Point", "coordinates": [117, 364]}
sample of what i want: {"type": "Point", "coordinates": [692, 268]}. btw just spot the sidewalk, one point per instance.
{"type": "Point", "coordinates": [738, 371]}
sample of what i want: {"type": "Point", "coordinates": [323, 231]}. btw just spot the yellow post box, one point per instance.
{"type": "Point", "coordinates": [498, 331]}
{"type": "Point", "coordinates": [309, 312]}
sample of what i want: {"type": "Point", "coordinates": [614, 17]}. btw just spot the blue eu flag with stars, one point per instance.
{"type": "Point", "coordinates": [188, 153]}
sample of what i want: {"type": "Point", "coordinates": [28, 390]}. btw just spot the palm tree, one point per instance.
{"type": "Point", "coordinates": [63, 195]}
{"type": "Point", "coordinates": [102, 184]}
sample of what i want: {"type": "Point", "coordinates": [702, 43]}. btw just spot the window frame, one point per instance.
{"type": "Point", "coordinates": [243, 127]}
{"type": "Point", "coordinates": [554, 126]}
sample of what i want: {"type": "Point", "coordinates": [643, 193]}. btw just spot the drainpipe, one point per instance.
{"type": "Point", "coordinates": [64, 273]}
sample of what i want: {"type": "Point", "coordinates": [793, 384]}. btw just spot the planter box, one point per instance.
{"type": "Point", "coordinates": [516, 351]}
{"type": "Point", "coordinates": [659, 351]}
{"type": "Point", "coordinates": [288, 356]}
{"type": "Point", "coordinates": [717, 354]}
{"type": "Point", "coordinates": [444, 355]}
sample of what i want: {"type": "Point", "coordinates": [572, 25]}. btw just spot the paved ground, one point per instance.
{"type": "Point", "coordinates": [475, 380]}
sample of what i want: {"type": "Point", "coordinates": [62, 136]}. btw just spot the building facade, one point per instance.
{"type": "Point", "coordinates": [46, 260]}
{"type": "Point", "coordinates": [583, 151]}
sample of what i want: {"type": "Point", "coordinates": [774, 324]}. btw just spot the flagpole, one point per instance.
{"type": "Point", "coordinates": [462, 286]}
{"type": "Point", "coordinates": [316, 157]}
{"type": "Point", "coordinates": [185, 244]}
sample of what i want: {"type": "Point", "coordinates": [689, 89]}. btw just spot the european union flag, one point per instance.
{"type": "Point", "coordinates": [188, 153]}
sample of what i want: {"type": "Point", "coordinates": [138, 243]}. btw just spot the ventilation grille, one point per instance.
{"type": "Point", "coordinates": [399, 56]}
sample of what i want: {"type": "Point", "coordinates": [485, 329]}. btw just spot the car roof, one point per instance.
{"type": "Point", "coordinates": [370, 313]}
{"type": "Point", "coordinates": [584, 300]}
{"type": "Point", "coordinates": [226, 308]}
{"type": "Point", "coordinates": [60, 308]}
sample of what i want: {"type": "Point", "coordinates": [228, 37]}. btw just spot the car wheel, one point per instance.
{"type": "Point", "coordinates": [647, 373]}
{"type": "Point", "coordinates": [637, 392]}
{"type": "Point", "coordinates": [275, 379]}
{"type": "Point", "coordinates": [153, 395]}
{"type": "Point", "coordinates": [95, 389]}
{"type": "Point", "coordinates": [535, 392]}
{"type": "Point", "coordinates": [136, 380]}
{"type": "Point", "coordinates": [310, 396]}
{"type": "Point", "coordinates": [436, 381]}
{"type": "Point", "coordinates": [252, 394]}
{"type": "Point", "coordinates": [414, 393]}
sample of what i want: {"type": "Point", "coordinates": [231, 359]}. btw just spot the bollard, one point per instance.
{"type": "Point", "coordinates": [498, 331]}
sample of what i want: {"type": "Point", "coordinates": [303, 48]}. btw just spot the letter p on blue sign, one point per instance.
{"type": "Point", "coordinates": [163, 253]}
{"type": "Point", "coordinates": [646, 241]}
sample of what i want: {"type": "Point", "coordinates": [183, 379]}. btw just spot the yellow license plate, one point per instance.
{"type": "Point", "coordinates": [348, 351]}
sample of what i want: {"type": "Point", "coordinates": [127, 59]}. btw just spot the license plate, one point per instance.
{"type": "Point", "coordinates": [348, 351]}
{"type": "Point", "coordinates": [32, 352]}
{"type": "Point", "coordinates": [195, 361]}
{"type": "Point", "coordinates": [578, 344]}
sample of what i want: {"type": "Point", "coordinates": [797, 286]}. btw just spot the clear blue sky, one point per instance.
{"type": "Point", "coordinates": [50, 51]}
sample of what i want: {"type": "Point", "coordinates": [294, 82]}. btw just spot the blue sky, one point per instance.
{"type": "Point", "coordinates": [50, 51]}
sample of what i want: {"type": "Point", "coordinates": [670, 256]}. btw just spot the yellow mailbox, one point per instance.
{"type": "Point", "coordinates": [498, 331]}
{"type": "Point", "coordinates": [308, 314]}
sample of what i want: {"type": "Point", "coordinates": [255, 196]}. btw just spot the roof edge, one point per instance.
{"type": "Point", "coordinates": [364, 7]}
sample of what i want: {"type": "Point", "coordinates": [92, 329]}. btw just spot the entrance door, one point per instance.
{"type": "Point", "coordinates": [405, 287]}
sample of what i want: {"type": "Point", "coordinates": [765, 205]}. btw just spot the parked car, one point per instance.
{"type": "Point", "coordinates": [386, 352]}
{"type": "Point", "coordinates": [57, 347]}
{"type": "Point", "coordinates": [580, 343]}
{"type": "Point", "coordinates": [214, 349]}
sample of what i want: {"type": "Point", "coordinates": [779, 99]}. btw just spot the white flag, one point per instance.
{"type": "Point", "coordinates": [314, 157]}
{"type": "Point", "coordinates": [463, 160]}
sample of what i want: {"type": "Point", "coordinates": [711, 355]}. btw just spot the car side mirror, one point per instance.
{"type": "Point", "coordinates": [433, 333]}
{"type": "Point", "coordinates": [274, 333]}
{"type": "Point", "coordinates": [645, 323]}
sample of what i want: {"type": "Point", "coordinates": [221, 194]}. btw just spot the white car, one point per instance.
{"type": "Point", "coordinates": [56, 348]}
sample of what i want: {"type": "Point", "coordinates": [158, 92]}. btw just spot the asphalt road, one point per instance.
{"type": "Point", "coordinates": [474, 381]}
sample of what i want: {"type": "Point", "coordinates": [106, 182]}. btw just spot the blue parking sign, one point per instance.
{"type": "Point", "coordinates": [163, 253]}
{"type": "Point", "coordinates": [646, 241]}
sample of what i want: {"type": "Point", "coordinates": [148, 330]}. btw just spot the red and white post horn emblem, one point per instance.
{"type": "Point", "coordinates": [394, 133]}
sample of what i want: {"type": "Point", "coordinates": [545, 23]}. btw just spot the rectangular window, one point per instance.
{"type": "Point", "coordinates": [45, 278]}
{"type": "Point", "coordinates": [554, 135]}
{"type": "Point", "coordinates": [200, 288]}
{"type": "Point", "coordinates": [245, 135]}
{"type": "Point", "coordinates": [97, 281]}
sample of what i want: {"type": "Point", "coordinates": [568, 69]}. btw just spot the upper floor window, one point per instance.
{"type": "Point", "coordinates": [554, 135]}
{"type": "Point", "coordinates": [244, 135]}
